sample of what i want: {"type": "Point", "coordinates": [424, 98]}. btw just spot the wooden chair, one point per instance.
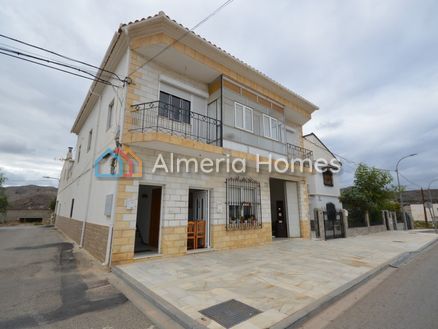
{"type": "Point", "coordinates": [191, 235]}
{"type": "Point", "coordinates": [200, 234]}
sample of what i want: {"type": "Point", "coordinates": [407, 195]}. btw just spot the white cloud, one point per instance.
{"type": "Point", "coordinates": [369, 65]}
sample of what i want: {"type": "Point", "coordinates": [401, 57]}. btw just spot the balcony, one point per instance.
{"type": "Point", "coordinates": [295, 152]}
{"type": "Point", "coordinates": [165, 118]}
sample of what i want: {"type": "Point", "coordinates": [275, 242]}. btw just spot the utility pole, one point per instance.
{"type": "Point", "coordinates": [431, 204]}
{"type": "Point", "coordinates": [424, 207]}
{"type": "Point", "coordinates": [400, 191]}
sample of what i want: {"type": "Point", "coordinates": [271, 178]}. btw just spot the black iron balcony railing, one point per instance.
{"type": "Point", "coordinates": [163, 117]}
{"type": "Point", "coordinates": [295, 152]}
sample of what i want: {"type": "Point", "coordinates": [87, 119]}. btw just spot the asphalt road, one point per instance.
{"type": "Point", "coordinates": [45, 283]}
{"type": "Point", "coordinates": [406, 299]}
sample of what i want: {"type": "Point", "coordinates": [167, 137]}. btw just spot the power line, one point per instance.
{"type": "Point", "coordinates": [409, 181]}
{"type": "Point", "coordinates": [18, 53]}
{"type": "Point", "coordinates": [10, 46]}
{"type": "Point", "coordinates": [61, 55]}
{"type": "Point", "coordinates": [57, 68]}
{"type": "Point", "coordinates": [344, 158]}
{"type": "Point", "coordinates": [226, 3]}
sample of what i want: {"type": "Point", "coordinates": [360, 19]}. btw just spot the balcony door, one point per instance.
{"type": "Point", "coordinates": [174, 108]}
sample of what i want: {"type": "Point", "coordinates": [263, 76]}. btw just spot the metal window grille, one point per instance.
{"type": "Point", "coordinates": [243, 203]}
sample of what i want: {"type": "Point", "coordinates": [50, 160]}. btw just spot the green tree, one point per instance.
{"type": "Point", "coordinates": [371, 190]}
{"type": "Point", "coordinates": [3, 198]}
{"type": "Point", "coordinates": [52, 204]}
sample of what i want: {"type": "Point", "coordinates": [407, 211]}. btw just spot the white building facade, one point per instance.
{"type": "Point", "coordinates": [192, 101]}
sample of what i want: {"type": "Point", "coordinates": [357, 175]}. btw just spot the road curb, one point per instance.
{"type": "Point", "coordinates": [311, 310]}
{"type": "Point", "coordinates": [407, 256]}
{"type": "Point", "coordinates": [174, 313]}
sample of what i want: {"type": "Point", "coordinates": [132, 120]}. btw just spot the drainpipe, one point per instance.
{"type": "Point", "coordinates": [109, 241]}
{"type": "Point", "coordinates": [109, 244]}
{"type": "Point", "coordinates": [90, 181]}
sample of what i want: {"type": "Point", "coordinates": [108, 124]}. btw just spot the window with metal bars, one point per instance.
{"type": "Point", "coordinates": [243, 202]}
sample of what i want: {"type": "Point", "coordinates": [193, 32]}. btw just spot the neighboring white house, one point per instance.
{"type": "Point", "coordinates": [323, 187]}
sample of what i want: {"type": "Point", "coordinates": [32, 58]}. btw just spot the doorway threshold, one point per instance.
{"type": "Point", "coordinates": [147, 254]}
{"type": "Point", "coordinates": [199, 251]}
{"type": "Point", "coordinates": [275, 239]}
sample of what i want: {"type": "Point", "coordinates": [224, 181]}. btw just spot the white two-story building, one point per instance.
{"type": "Point", "coordinates": [175, 95]}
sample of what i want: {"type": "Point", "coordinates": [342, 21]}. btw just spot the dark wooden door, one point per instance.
{"type": "Point", "coordinates": [154, 230]}
{"type": "Point", "coordinates": [281, 226]}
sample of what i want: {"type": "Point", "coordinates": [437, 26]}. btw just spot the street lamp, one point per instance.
{"type": "Point", "coordinates": [399, 190]}
{"type": "Point", "coordinates": [48, 177]}
{"type": "Point", "coordinates": [431, 203]}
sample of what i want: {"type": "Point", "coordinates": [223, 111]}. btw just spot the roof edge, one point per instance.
{"type": "Point", "coordinates": [319, 140]}
{"type": "Point", "coordinates": [262, 75]}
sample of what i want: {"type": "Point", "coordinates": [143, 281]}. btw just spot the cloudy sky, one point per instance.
{"type": "Point", "coordinates": [370, 65]}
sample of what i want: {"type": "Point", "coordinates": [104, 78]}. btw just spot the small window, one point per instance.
{"type": "Point", "coordinates": [243, 203]}
{"type": "Point", "coordinates": [271, 127]}
{"type": "Point", "coordinates": [78, 156]}
{"type": "Point", "coordinates": [174, 108]}
{"type": "Point", "coordinates": [243, 117]}
{"type": "Point", "coordinates": [90, 137]}
{"type": "Point", "coordinates": [109, 117]}
{"type": "Point", "coordinates": [71, 208]}
{"type": "Point", "coordinates": [327, 177]}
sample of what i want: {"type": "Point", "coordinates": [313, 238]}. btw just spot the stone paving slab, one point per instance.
{"type": "Point", "coordinates": [278, 279]}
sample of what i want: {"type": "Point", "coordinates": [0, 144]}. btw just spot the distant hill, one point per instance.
{"type": "Point", "coordinates": [30, 196]}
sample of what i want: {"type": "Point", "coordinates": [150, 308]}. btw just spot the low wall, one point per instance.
{"type": "Point", "coordinates": [95, 236]}
{"type": "Point", "coordinates": [14, 215]}
{"type": "Point", "coordinates": [70, 227]}
{"type": "Point", "coordinates": [223, 239]}
{"type": "Point", "coordinates": [355, 231]}
{"type": "Point", "coordinates": [95, 240]}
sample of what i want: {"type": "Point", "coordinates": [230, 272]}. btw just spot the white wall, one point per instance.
{"type": "Point", "coordinates": [88, 191]}
{"type": "Point", "coordinates": [417, 211]}
{"type": "Point", "coordinates": [293, 211]}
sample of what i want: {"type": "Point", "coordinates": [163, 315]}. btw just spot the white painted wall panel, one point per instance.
{"type": "Point", "coordinates": [293, 210]}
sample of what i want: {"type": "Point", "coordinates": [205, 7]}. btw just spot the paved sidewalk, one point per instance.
{"type": "Point", "coordinates": [278, 279]}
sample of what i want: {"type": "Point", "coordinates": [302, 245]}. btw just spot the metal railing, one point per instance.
{"type": "Point", "coordinates": [295, 152]}
{"type": "Point", "coordinates": [163, 117]}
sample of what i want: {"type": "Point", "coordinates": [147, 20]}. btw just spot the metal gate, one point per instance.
{"type": "Point", "coordinates": [333, 224]}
